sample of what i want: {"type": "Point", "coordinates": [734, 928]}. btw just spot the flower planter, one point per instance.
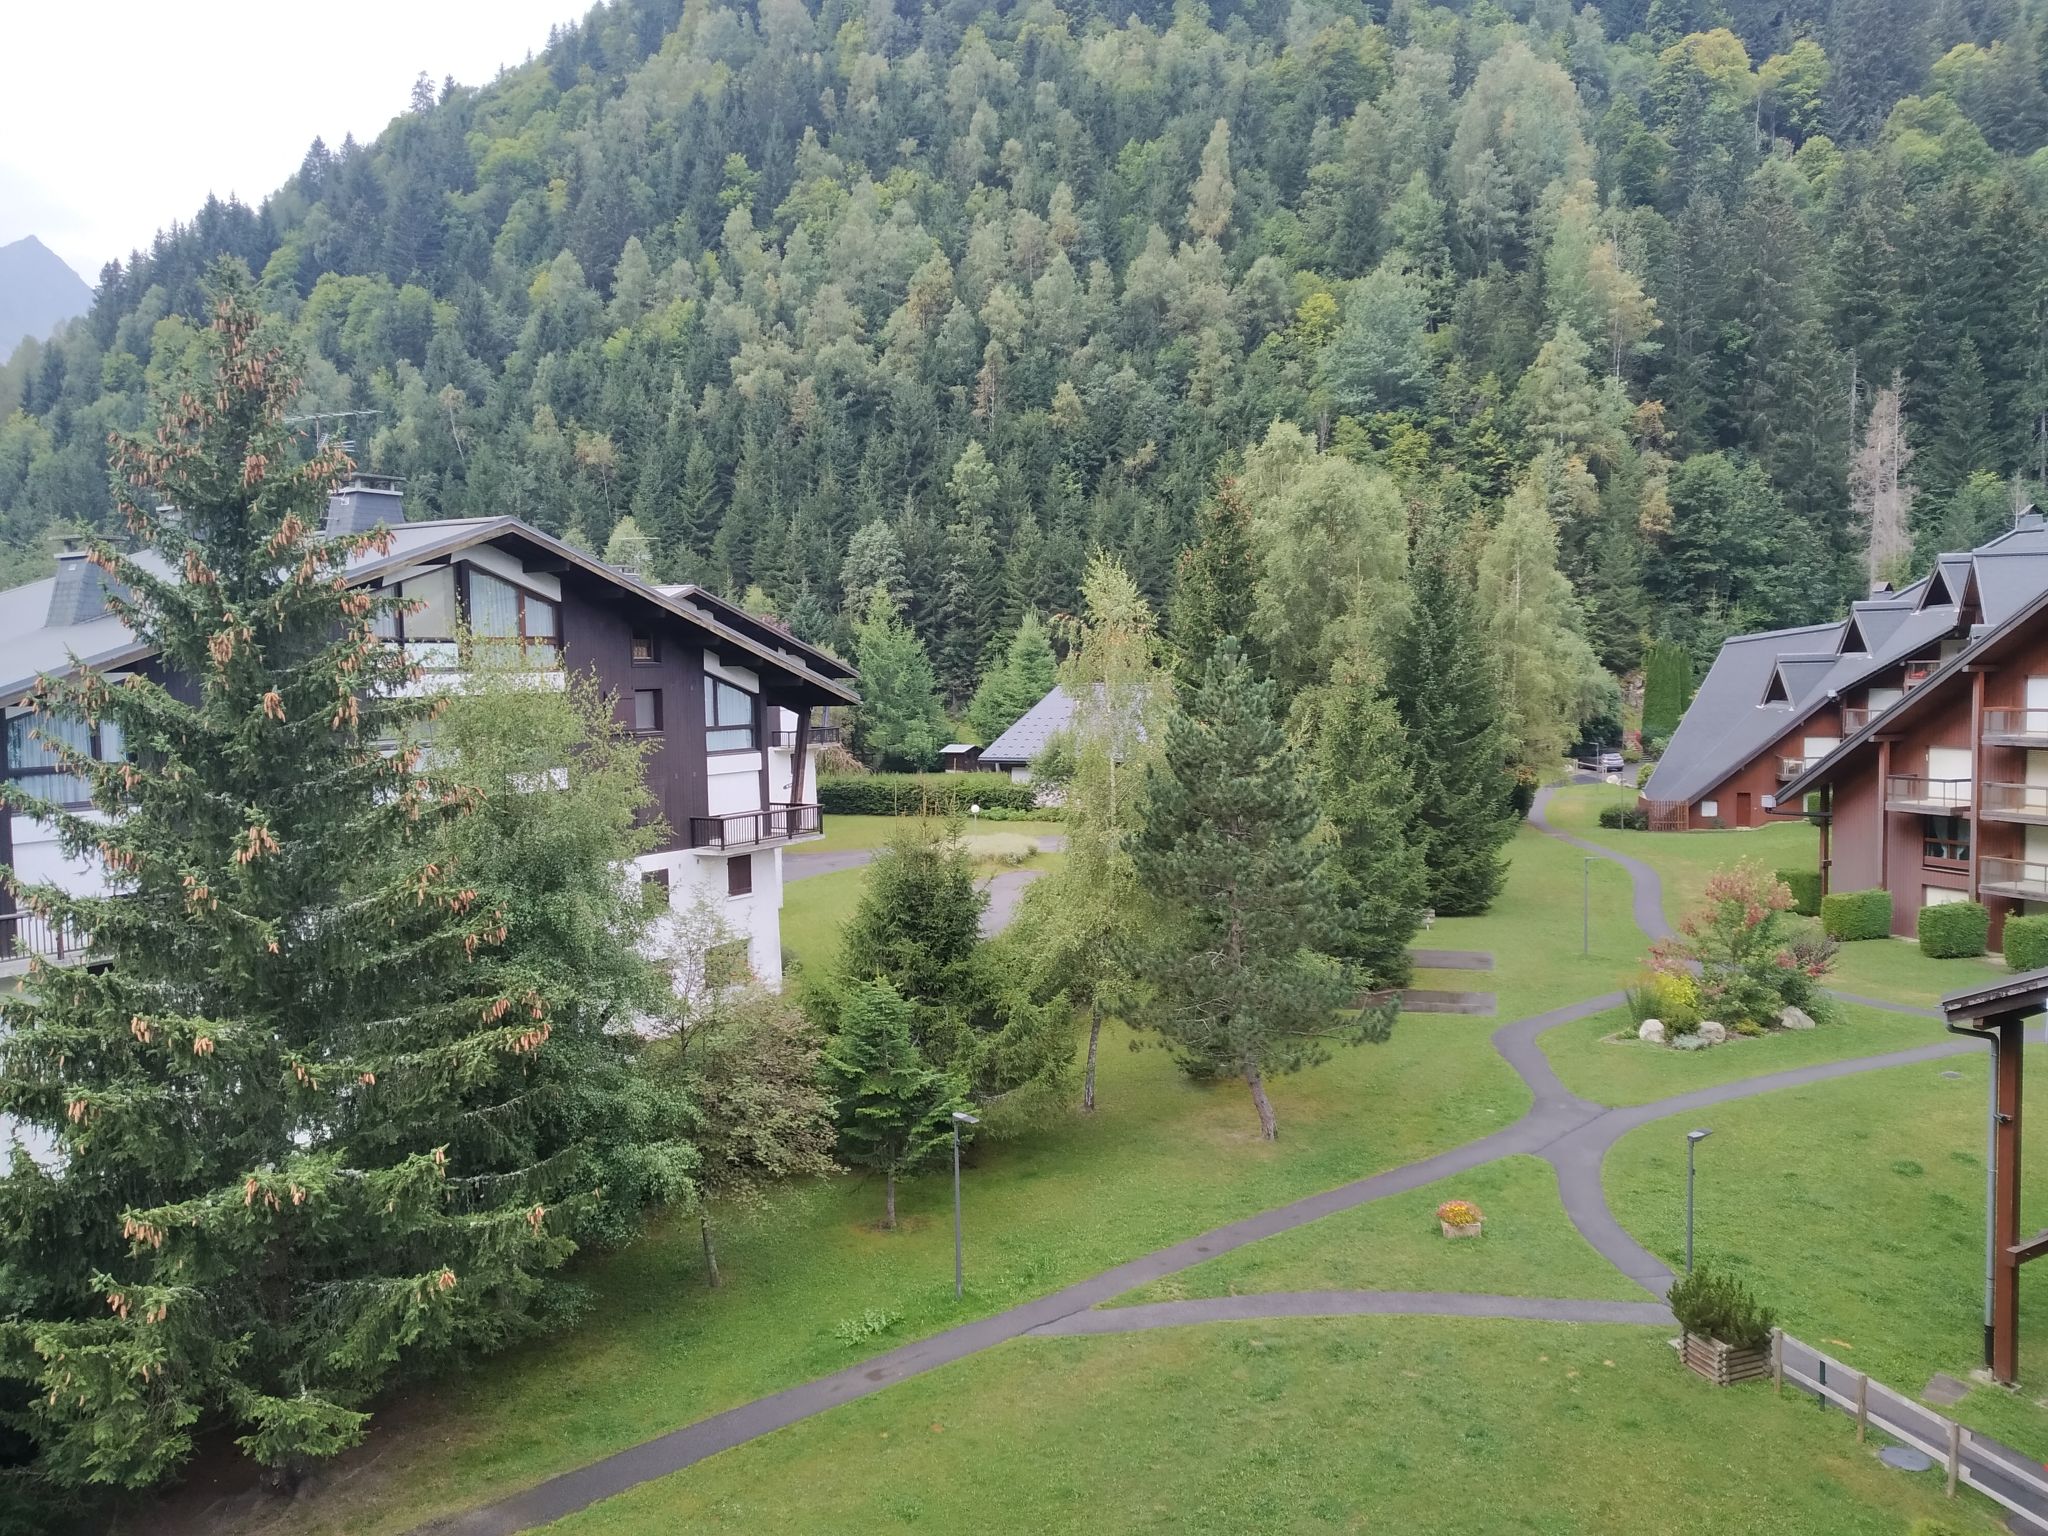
{"type": "Point", "coordinates": [1469, 1229]}
{"type": "Point", "coordinates": [1723, 1364]}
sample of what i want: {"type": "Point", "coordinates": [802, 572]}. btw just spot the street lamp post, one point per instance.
{"type": "Point", "coordinates": [1692, 1140]}
{"type": "Point", "coordinates": [960, 1118]}
{"type": "Point", "coordinates": [1586, 905]}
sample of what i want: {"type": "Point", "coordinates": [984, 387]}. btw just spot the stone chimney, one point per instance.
{"type": "Point", "coordinates": [364, 501]}
{"type": "Point", "coordinates": [80, 593]}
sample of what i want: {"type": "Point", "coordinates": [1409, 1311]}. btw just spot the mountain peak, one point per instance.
{"type": "Point", "coordinates": [38, 292]}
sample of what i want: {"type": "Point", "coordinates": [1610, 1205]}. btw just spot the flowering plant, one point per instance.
{"type": "Point", "coordinates": [1752, 961]}
{"type": "Point", "coordinates": [1458, 1213]}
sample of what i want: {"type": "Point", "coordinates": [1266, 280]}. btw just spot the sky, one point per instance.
{"type": "Point", "coordinates": [118, 118]}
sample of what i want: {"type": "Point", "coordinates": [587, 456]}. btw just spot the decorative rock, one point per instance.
{"type": "Point", "coordinates": [1652, 1030]}
{"type": "Point", "coordinates": [1795, 1018]}
{"type": "Point", "coordinates": [1713, 1033]}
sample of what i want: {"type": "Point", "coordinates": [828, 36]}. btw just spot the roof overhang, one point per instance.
{"type": "Point", "coordinates": [2025, 993]}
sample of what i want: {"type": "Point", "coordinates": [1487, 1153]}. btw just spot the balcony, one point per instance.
{"type": "Point", "coordinates": [1919, 670]}
{"type": "Point", "coordinates": [1927, 797]}
{"type": "Point", "coordinates": [26, 936]}
{"type": "Point", "coordinates": [771, 828]}
{"type": "Point", "coordinates": [2016, 727]}
{"type": "Point", "coordinates": [821, 736]}
{"type": "Point", "coordinates": [2016, 802]}
{"type": "Point", "coordinates": [1789, 768]}
{"type": "Point", "coordinates": [2017, 878]}
{"type": "Point", "coordinates": [1853, 720]}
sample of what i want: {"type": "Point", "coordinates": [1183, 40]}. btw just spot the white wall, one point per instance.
{"type": "Point", "coordinates": [700, 877]}
{"type": "Point", "coordinates": [733, 782]}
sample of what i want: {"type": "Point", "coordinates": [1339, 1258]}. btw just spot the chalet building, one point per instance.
{"type": "Point", "coordinates": [729, 698]}
{"type": "Point", "coordinates": [1776, 704]}
{"type": "Point", "coordinates": [1943, 795]}
{"type": "Point", "coordinates": [1013, 752]}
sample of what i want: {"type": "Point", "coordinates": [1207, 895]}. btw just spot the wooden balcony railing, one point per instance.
{"type": "Point", "coordinates": [1913, 792]}
{"type": "Point", "coordinates": [2016, 727]}
{"type": "Point", "coordinates": [2013, 877]}
{"type": "Point", "coordinates": [757, 829]}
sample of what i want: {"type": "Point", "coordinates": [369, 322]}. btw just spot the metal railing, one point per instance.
{"type": "Point", "coordinates": [28, 934]}
{"type": "Point", "coordinates": [2026, 725]}
{"type": "Point", "coordinates": [1917, 672]}
{"type": "Point", "coordinates": [820, 736]}
{"type": "Point", "coordinates": [1916, 789]}
{"type": "Point", "coordinates": [753, 829]}
{"type": "Point", "coordinates": [1854, 720]}
{"type": "Point", "coordinates": [1790, 768]}
{"type": "Point", "coordinates": [2016, 800]}
{"type": "Point", "coordinates": [2020, 875]}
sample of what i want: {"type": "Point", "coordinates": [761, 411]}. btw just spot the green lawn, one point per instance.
{"type": "Point", "coordinates": [1597, 1066]}
{"type": "Point", "coordinates": [1305, 1428]}
{"type": "Point", "coordinates": [1856, 1208]}
{"type": "Point", "coordinates": [1895, 969]}
{"type": "Point", "coordinates": [1528, 1248]}
{"type": "Point", "coordinates": [1683, 859]}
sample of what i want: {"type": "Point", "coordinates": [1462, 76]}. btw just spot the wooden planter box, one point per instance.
{"type": "Point", "coordinates": [1723, 1364]}
{"type": "Point", "coordinates": [1470, 1229]}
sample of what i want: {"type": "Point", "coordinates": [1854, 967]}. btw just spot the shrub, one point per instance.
{"type": "Point", "coordinates": [1804, 884]}
{"type": "Point", "coordinates": [1849, 915]}
{"type": "Point", "coordinates": [911, 794]}
{"type": "Point", "coordinates": [1751, 965]}
{"type": "Point", "coordinates": [1459, 1213]}
{"type": "Point", "coordinates": [2026, 942]}
{"type": "Point", "coordinates": [1630, 818]}
{"type": "Point", "coordinates": [1715, 1304]}
{"type": "Point", "coordinates": [1954, 930]}
{"type": "Point", "coordinates": [1671, 996]}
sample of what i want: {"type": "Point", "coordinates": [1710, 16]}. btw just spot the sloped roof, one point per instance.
{"type": "Point", "coordinates": [1728, 721]}
{"type": "Point", "coordinates": [1027, 738]}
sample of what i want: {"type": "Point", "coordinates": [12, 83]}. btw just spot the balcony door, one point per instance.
{"type": "Point", "coordinates": [2037, 704]}
{"type": "Point", "coordinates": [1949, 771]}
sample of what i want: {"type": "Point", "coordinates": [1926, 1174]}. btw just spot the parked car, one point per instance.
{"type": "Point", "coordinates": [1611, 762]}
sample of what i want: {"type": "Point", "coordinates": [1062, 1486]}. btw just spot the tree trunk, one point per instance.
{"type": "Point", "coordinates": [1094, 1039]}
{"type": "Point", "coordinates": [1269, 1128]}
{"type": "Point", "coordinates": [889, 1205]}
{"type": "Point", "coordinates": [710, 1254]}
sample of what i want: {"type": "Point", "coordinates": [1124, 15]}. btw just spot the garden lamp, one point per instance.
{"type": "Point", "coordinates": [960, 1118]}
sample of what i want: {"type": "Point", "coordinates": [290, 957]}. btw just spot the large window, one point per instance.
{"type": "Point", "coordinates": [728, 717]}
{"type": "Point", "coordinates": [507, 623]}
{"type": "Point", "coordinates": [1945, 840]}
{"type": "Point", "coordinates": [32, 746]}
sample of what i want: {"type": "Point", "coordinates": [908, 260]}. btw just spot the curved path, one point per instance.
{"type": "Point", "coordinates": [1572, 1134]}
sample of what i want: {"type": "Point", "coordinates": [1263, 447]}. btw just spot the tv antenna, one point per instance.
{"type": "Point", "coordinates": [321, 435]}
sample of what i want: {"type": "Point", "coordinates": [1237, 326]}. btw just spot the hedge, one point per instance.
{"type": "Point", "coordinates": [2026, 942]}
{"type": "Point", "coordinates": [909, 794]}
{"type": "Point", "coordinates": [1630, 818]}
{"type": "Point", "coordinates": [1954, 930]}
{"type": "Point", "coordinates": [1805, 886]}
{"type": "Point", "coordinates": [1856, 914]}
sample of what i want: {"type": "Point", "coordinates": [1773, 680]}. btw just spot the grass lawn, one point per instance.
{"type": "Point", "coordinates": [850, 832]}
{"type": "Point", "coordinates": [1683, 859]}
{"type": "Point", "coordinates": [1856, 1208]}
{"type": "Point", "coordinates": [1528, 1248]}
{"type": "Point", "coordinates": [1410, 1425]}
{"type": "Point", "coordinates": [1895, 969]}
{"type": "Point", "coordinates": [1628, 1071]}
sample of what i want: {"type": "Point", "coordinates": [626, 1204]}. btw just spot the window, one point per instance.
{"type": "Point", "coordinates": [513, 623]}
{"type": "Point", "coordinates": [643, 649]}
{"type": "Point", "coordinates": [1710, 809]}
{"type": "Point", "coordinates": [434, 618]}
{"type": "Point", "coordinates": [32, 746]}
{"type": "Point", "coordinates": [647, 710]}
{"type": "Point", "coordinates": [728, 717]}
{"type": "Point", "coordinates": [739, 875]}
{"type": "Point", "coordinates": [654, 877]}
{"type": "Point", "coordinates": [1945, 839]}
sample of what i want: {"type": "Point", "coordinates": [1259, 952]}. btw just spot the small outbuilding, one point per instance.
{"type": "Point", "coordinates": [960, 757]}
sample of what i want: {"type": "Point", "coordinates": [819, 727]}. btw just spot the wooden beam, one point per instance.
{"type": "Point", "coordinates": [2027, 1252]}
{"type": "Point", "coordinates": [2005, 1200]}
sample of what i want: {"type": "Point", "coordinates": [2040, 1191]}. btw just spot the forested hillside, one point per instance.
{"type": "Point", "coordinates": [967, 292]}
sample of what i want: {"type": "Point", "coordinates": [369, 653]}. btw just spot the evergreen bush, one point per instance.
{"type": "Point", "coordinates": [1805, 887]}
{"type": "Point", "coordinates": [913, 794]}
{"type": "Point", "coordinates": [2026, 942]}
{"type": "Point", "coordinates": [1850, 915]}
{"type": "Point", "coordinates": [1716, 1305]}
{"type": "Point", "coordinates": [1954, 930]}
{"type": "Point", "coordinates": [1628, 818]}
{"type": "Point", "coordinates": [1667, 689]}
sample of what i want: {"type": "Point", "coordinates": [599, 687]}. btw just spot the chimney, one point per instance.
{"type": "Point", "coordinates": [80, 593]}
{"type": "Point", "coordinates": [364, 502]}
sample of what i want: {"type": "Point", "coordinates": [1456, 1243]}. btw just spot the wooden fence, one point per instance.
{"type": "Point", "coordinates": [1996, 1470]}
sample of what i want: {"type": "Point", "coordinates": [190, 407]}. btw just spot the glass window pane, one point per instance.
{"type": "Point", "coordinates": [540, 618]}
{"type": "Point", "coordinates": [728, 740]}
{"type": "Point", "coordinates": [493, 606]}
{"type": "Point", "coordinates": [113, 747]}
{"type": "Point", "coordinates": [435, 620]}
{"type": "Point", "coordinates": [647, 709]}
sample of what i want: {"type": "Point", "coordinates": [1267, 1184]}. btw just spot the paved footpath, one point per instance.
{"type": "Point", "coordinates": [1571, 1133]}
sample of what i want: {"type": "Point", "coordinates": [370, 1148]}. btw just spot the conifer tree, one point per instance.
{"type": "Point", "coordinates": [1023, 677]}
{"type": "Point", "coordinates": [1358, 758]}
{"type": "Point", "coordinates": [269, 1104]}
{"type": "Point", "coordinates": [1212, 589]}
{"type": "Point", "coordinates": [1667, 687]}
{"type": "Point", "coordinates": [1246, 916]}
{"type": "Point", "coordinates": [895, 1111]}
{"type": "Point", "coordinates": [899, 723]}
{"type": "Point", "coordinates": [1441, 680]}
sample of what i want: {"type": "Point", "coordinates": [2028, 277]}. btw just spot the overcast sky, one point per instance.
{"type": "Point", "coordinates": [119, 117]}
